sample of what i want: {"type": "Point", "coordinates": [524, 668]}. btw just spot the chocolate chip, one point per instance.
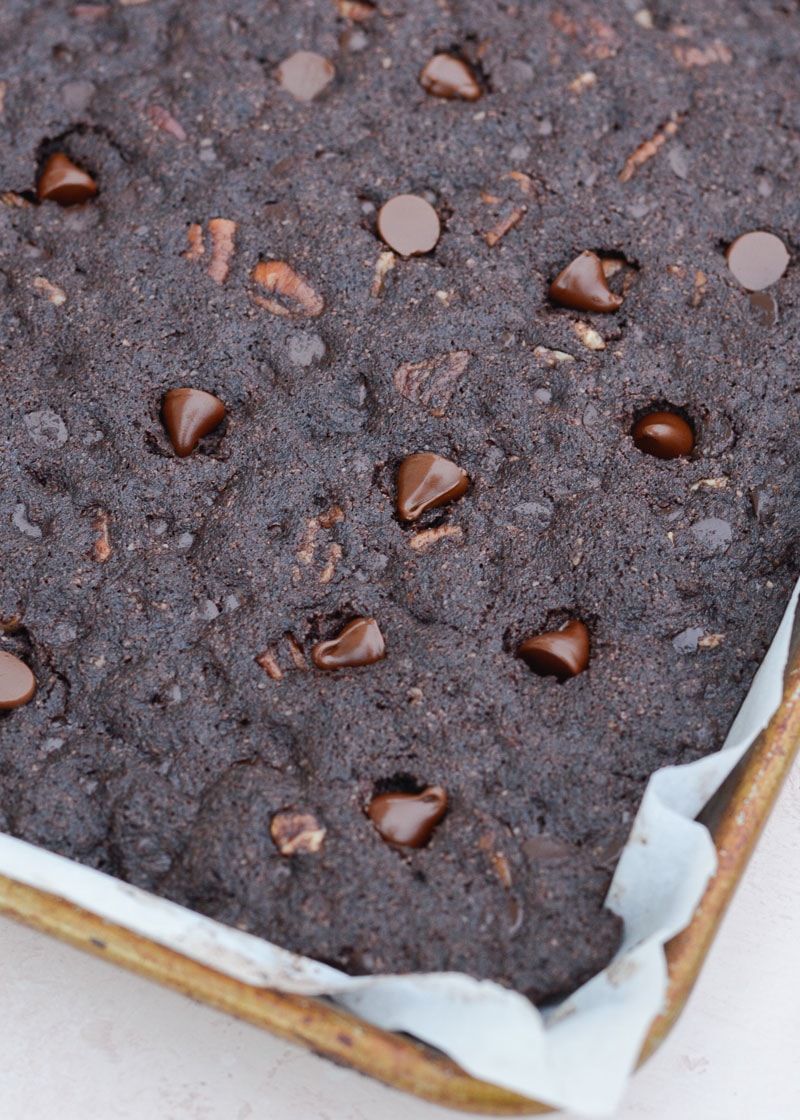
{"type": "Point", "coordinates": [426, 481]}
{"type": "Point", "coordinates": [46, 428]}
{"type": "Point", "coordinates": [765, 306]}
{"type": "Point", "coordinates": [713, 532]}
{"type": "Point", "coordinates": [686, 641]}
{"type": "Point", "coordinates": [354, 39]}
{"type": "Point", "coordinates": [408, 819]}
{"type": "Point", "coordinates": [678, 159]}
{"type": "Point", "coordinates": [449, 77]}
{"type": "Point", "coordinates": [764, 504]}
{"type": "Point", "coordinates": [188, 415]}
{"type": "Point", "coordinates": [757, 259]}
{"type": "Point", "coordinates": [77, 96]}
{"type": "Point", "coordinates": [560, 653]}
{"type": "Point", "coordinates": [305, 75]}
{"type": "Point", "coordinates": [537, 514]}
{"type": "Point", "coordinates": [19, 519]}
{"type": "Point", "coordinates": [409, 225]}
{"type": "Point", "coordinates": [296, 833]}
{"type": "Point", "coordinates": [207, 610]}
{"type": "Point", "coordinates": [17, 682]}
{"type": "Point", "coordinates": [582, 286]}
{"type": "Point", "coordinates": [664, 435]}
{"type": "Point", "coordinates": [359, 643]}
{"type": "Point", "coordinates": [306, 350]}
{"type": "Point", "coordinates": [63, 182]}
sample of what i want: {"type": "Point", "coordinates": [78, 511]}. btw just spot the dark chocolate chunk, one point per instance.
{"type": "Point", "coordinates": [449, 77]}
{"type": "Point", "coordinates": [17, 682]}
{"type": "Point", "coordinates": [582, 286]}
{"type": "Point", "coordinates": [359, 643]}
{"type": "Point", "coordinates": [664, 435]}
{"type": "Point", "coordinates": [188, 415]}
{"type": "Point", "coordinates": [426, 481]}
{"type": "Point", "coordinates": [64, 182]}
{"type": "Point", "coordinates": [409, 225]}
{"type": "Point", "coordinates": [408, 819]}
{"type": "Point", "coordinates": [757, 259]}
{"type": "Point", "coordinates": [560, 653]}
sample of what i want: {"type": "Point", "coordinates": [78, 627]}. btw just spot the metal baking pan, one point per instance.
{"type": "Point", "coordinates": [735, 817]}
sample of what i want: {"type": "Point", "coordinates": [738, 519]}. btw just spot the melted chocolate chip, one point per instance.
{"type": "Point", "coordinates": [560, 653]}
{"type": "Point", "coordinates": [17, 682]}
{"type": "Point", "coordinates": [408, 819]}
{"type": "Point", "coordinates": [63, 182]}
{"type": "Point", "coordinates": [305, 75]}
{"type": "Point", "coordinates": [188, 415]}
{"type": "Point", "coordinates": [409, 225]}
{"type": "Point", "coordinates": [426, 481]}
{"type": "Point", "coordinates": [582, 286]}
{"type": "Point", "coordinates": [359, 643]}
{"type": "Point", "coordinates": [757, 259]}
{"type": "Point", "coordinates": [664, 435]}
{"type": "Point", "coordinates": [450, 77]}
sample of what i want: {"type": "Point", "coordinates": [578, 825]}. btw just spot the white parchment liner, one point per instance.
{"type": "Point", "coordinates": [577, 1057]}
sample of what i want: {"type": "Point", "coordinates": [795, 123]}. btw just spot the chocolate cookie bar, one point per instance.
{"type": "Point", "coordinates": [397, 464]}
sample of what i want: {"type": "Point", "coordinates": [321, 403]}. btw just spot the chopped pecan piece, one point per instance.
{"type": "Point", "coordinates": [280, 279]}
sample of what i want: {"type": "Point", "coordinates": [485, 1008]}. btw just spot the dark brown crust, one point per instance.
{"type": "Point", "coordinates": [157, 747]}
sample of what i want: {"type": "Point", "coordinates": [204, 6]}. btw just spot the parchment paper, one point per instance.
{"type": "Point", "coordinates": [578, 1056]}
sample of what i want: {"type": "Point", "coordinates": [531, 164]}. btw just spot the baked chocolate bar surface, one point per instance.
{"type": "Point", "coordinates": [182, 737]}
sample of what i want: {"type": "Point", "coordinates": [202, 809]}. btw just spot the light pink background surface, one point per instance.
{"type": "Point", "coordinates": [82, 1040]}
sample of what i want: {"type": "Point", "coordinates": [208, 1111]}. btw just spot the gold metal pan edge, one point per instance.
{"type": "Point", "coordinates": [316, 1024]}
{"type": "Point", "coordinates": [736, 818]}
